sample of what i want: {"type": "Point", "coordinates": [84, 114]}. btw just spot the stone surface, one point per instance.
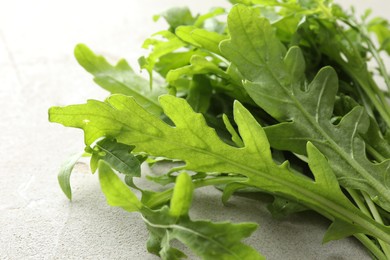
{"type": "Point", "coordinates": [37, 70]}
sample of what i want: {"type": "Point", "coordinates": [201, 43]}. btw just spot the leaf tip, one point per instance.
{"type": "Point", "coordinates": [237, 106]}
{"type": "Point", "coordinates": [50, 113]}
{"type": "Point", "coordinates": [80, 49]}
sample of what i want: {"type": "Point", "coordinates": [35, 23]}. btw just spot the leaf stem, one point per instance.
{"type": "Point", "coordinates": [375, 54]}
{"type": "Point", "coordinates": [359, 202]}
{"type": "Point", "coordinates": [369, 87]}
{"type": "Point", "coordinates": [365, 79]}
{"type": "Point", "coordinates": [362, 238]}
{"type": "Point", "coordinates": [374, 153]}
{"type": "Point", "coordinates": [374, 211]}
{"type": "Point", "coordinates": [164, 196]}
{"type": "Point", "coordinates": [371, 246]}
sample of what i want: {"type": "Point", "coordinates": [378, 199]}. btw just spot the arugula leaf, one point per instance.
{"type": "Point", "coordinates": [117, 193]}
{"type": "Point", "coordinates": [117, 155]}
{"type": "Point", "coordinates": [182, 196]}
{"type": "Point", "coordinates": [205, 238]}
{"type": "Point", "coordinates": [200, 38]}
{"type": "Point", "coordinates": [305, 110]}
{"type": "Point", "coordinates": [203, 19]}
{"type": "Point", "coordinates": [119, 79]}
{"type": "Point", "coordinates": [198, 145]}
{"type": "Point", "coordinates": [381, 28]}
{"type": "Point", "coordinates": [348, 50]}
{"type": "Point", "coordinates": [208, 240]}
{"type": "Point", "coordinates": [229, 83]}
{"type": "Point", "coordinates": [160, 47]}
{"type": "Point", "coordinates": [235, 136]}
{"type": "Point", "coordinates": [199, 93]}
{"type": "Point", "coordinates": [333, 129]}
{"type": "Point", "coordinates": [174, 60]}
{"type": "Point", "coordinates": [176, 16]}
{"type": "Point", "coordinates": [65, 173]}
{"type": "Point", "coordinates": [280, 208]}
{"type": "Point", "coordinates": [199, 65]}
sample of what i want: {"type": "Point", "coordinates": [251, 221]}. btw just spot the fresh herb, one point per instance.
{"type": "Point", "coordinates": [278, 99]}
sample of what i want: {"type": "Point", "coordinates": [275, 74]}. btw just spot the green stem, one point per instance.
{"type": "Point", "coordinates": [362, 62]}
{"type": "Point", "coordinates": [359, 202]}
{"type": "Point", "coordinates": [324, 9]}
{"type": "Point", "coordinates": [375, 54]}
{"type": "Point", "coordinates": [385, 246]}
{"type": "Point", "coordinates": [362, 238]}
{"type": "Point", "coordinates": [381, 95]}
{"type": "Point", "coordinates": [368, 243]}
{"type": "Point", "coordinates": [374, 153]}
{"type": "Point", "coordinates": [369, 86]}
{"type": "Point", "coordinates": [164, 196]}
{"type": "Point", "coordinates": [365, 79]}
{"type": "Point", "coordinates": [371, 246]}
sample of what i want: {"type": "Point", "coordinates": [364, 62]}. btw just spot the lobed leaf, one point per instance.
{"type": "Point", "coordinates": [159, 48]}
{"type": "Point", "coordinates": [206, 239]}
{"type": "Point", "coordinates": [192, 141]}
{"type": "Point", "coordinates": [119, 79]}
{"type": "Point", "coordinates": [274, 80]}
{"type": "Point", "coordinates": [199, 65]}
{"type": "Point", "coordinates": [177, 16]}
{"type": "Point", "coordinates": [117, 155]}
{"type": "Point", "coordinates": [331, 139]}
{"type": "Point", "coordinates": [201, 38]}
{"type": "Point", "coordinates": [116, 192]}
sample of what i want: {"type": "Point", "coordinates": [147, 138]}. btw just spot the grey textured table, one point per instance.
{"type": "Point", "coordinates": [37, 70]}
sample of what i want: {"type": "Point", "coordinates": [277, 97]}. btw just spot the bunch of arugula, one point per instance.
{"type": "Point", "coordinates": [279, 100]}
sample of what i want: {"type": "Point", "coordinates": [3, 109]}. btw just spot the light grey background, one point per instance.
{"type": "Point", "coordinates": [37, 70]}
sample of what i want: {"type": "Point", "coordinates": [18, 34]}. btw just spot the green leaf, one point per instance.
{"type": "Point", "coordinates": [231, 188]}
{"type": "Point", "coordinates": [65, 173]}
{"type": "Point", "coordinates": [234, 86]}
{"type": "Point", "coordinates": [245, 2]}
{"type": "Point", "coordinates": [182, 195]}
{"type": "Point", "coordinates": [340, 229]}
{"type": "Point", "coordinates": [102, 116]}
{"type": "Point", "coordinates": [218, 240]}
{"type": "Point", "coordinates": [264, 54]}
{"type": "Point", "coordinates": [273, 79]}
{"type": "Point", "coordinates": [170, 253]}
{"type": "Point", "coordinates": [199, 94]}
{"type": "Point", "coordinates": [119, 79]}
{"type": "Point", "coordinates": [206, 239]}
{"type": "Point", "coordinates": [177, 16]}
{"type": "Point", "coordinates": [153, 244]}
{"type": "Point", "coordinates": [375, 140]}
{"type": "Point", "coordinates": [255, 68]}
{"type": "Point", "coordinates": [194, 142]}
{"type": "Point", "coordinates": [174, 60]}
{"type": "Point", "coordinates": [201, 38]}
{"type": "Point", "coordinates": [116, 192]}
{"type": "Point", "coordinates": [381, 28]}
{"type": "Point", "coordinates": [164, 179]}
{"type": "Point", "coordinates": [235, 136]}
{"type": "Point", "coordinates": [117, 155]}
{"type": "Point", "coordinates": [281, 208]}
{"type": "Point", "coordinates": [159, 48]}
{"type": "Point", "coordinates": [203, 18]}
{"type": "Point", "coordinates": [199, 65]}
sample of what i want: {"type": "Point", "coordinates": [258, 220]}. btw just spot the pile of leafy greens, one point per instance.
{"type": "Point", "coordinates": [268, 96]}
